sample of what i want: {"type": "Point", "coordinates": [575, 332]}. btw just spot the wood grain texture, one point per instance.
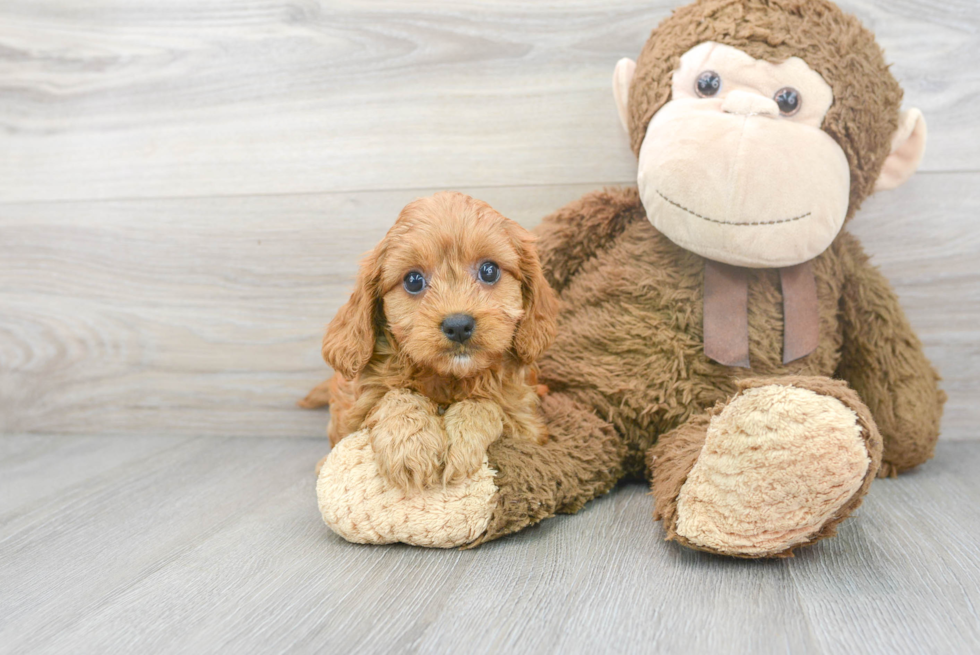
{"type": "Point", "coordinates": [204, 316]}
{"type": "Point", "coordinates": [185, 187]}
{"type": "Point", "coordinates": [124, 99]}
{"type": "Point", "coordinates": [186, 316]}
{"type": "Point", "coordinates": [215, 545]}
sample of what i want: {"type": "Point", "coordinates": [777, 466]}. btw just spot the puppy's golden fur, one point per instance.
{"type": "Point", "coordinates": [432, 405]}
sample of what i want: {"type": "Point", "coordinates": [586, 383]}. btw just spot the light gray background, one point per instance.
{"type": "Point", "coordinates": [186, 186]}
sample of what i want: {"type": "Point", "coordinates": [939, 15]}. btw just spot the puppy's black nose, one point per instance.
{"type": "Point", "coordinates": [458, 327]}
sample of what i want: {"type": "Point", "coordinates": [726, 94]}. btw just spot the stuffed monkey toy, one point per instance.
{"type": "Point", "coordinates": [719, 315]}
{"type": "Point", "coordinates": [722, 334]}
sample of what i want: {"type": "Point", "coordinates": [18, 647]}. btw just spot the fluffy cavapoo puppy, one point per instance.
{"type": "Point", "coordinates": [434, 351]}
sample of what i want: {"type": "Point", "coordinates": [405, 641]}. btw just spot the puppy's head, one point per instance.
{"type": "Point", "coordinates": [458, 286]}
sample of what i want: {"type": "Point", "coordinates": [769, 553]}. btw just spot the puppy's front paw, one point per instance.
{"type": "Point", "coordinates": [463, 459]}
{"type": "Point", "coordinates": [408, 441]}
{"type": "Point", "coordinates": [409, 465]}
{"type": "Point", "coordinates": [471, 426]}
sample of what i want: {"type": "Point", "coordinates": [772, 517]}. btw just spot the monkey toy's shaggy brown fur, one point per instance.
{"type": "Point", "coordinates": [760, 127]}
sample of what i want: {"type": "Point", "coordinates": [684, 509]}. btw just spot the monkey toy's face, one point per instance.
{"type": "Point", "coordinates": [735, 166]}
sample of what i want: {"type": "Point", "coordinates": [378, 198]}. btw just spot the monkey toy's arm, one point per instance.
{"type": "Point", "coordinates": [576, 232]}
{"type": "Point", "coordinates": [882, 360]}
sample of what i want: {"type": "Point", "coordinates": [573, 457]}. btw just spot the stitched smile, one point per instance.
{"type": "Point", "coordinates": [714, 220]}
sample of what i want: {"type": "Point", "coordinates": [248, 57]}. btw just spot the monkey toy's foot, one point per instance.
{"type": "Point", "coordinates": [360, 505]}
{"type": "Point", "coordinates": [776, 467]}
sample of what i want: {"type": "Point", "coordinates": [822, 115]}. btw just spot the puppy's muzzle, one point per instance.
{"type": "Point", "coordinates": [458, 327]}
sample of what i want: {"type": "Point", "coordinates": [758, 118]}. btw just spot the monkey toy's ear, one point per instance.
{"type": "Point", "coordinates": [349, 341]}
{"type": "Point", "coordinates": [908, 146]}
{"type": "Point", "coordinates": [622, 78]}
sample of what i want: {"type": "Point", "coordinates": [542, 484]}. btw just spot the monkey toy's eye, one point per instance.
{"type": "Point", "coordinates": [489, 272]}
{"type": "Point", "coordinates": [789, 100]}
{"type": "Point", "coordinates": [414, 282]}
{"type": "Point", "coordinates": [708, 84]}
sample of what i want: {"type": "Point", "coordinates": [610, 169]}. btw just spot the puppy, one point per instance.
{"type": "Point", "coordinates": [434, 351]}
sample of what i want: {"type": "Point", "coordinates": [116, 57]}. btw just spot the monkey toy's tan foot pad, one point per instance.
{"type": "Point", "coordinates": [360, 506]}
{"type": "Point", "coordinates": [777, 467]}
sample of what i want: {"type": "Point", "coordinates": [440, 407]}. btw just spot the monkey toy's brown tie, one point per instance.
{"type": "Point", "coordinates": [726, 313]}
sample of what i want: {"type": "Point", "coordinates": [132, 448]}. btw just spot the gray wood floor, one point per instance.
{"type": "Point", "coordinates": [199, 545]}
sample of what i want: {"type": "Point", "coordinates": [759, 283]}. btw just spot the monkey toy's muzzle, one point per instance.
{"type": "Point", "coordinates": [737, 184]}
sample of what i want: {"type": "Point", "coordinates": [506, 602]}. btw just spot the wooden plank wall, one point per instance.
{"type": "Point", "coordinates": [185, 187]}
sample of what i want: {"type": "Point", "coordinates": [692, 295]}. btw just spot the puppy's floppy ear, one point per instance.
{"type": "Point", "coordinates": [349, 341]}
{"type": "Point", "coordinates": [538, 327]}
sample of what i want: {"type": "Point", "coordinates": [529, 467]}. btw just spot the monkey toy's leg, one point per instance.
{"type": "Point", "coordinates": [519, 483]}
{"type": "Point", "coordinates": [776, 467]}
{"type": "Point", "coordinates": [582, 459]}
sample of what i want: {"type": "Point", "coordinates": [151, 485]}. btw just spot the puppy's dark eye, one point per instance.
{"type": "Point", "coordinates": [708, 84]}
{"type": "Point", "coordinates": [414, 282]}
{"type": "Point", "coordinates": [789, 101]}
{"type": "Point", "coordinates": [489, 272]}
